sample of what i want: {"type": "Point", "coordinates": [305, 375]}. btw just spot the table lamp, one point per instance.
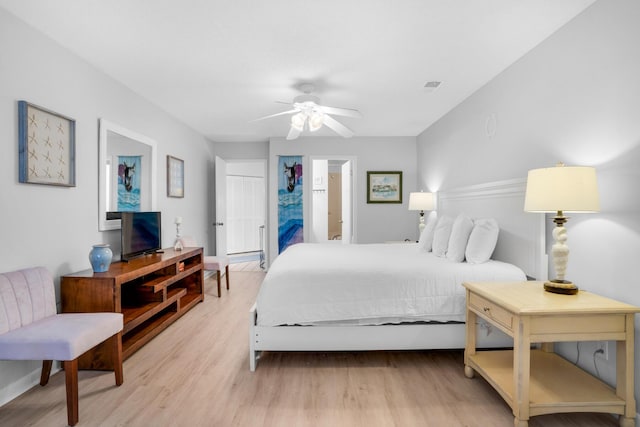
{"type": "Point", "coordinates": [421, 202]}
{"type": "Point", "coordinates": [178, 244]}
{"type": "Point", "coordinates": [559, 190]}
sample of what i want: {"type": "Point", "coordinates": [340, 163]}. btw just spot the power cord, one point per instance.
{"type": "Point", "coordinates": [595, 364]}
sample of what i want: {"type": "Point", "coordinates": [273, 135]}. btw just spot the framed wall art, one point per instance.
{"type": "Point", "coordinates": [175, 177]}
{"type": "Point", "coordinates": [384, 187]}
{"type": "Point", "coordinates": [290, 206]}
{"type": "Point", "coordinates": [46, 146]}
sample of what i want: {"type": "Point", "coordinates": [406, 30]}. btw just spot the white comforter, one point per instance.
{"type": "Point", "coordinates": [368, 284]}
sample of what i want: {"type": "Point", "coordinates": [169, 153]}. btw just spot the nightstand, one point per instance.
{"type": "Point", "coordinates": [535, 382]}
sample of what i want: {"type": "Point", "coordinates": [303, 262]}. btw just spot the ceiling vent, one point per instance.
{"type": "Point", "coordinates": [432, 86]}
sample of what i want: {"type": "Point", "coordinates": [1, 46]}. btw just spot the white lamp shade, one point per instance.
{"type": "Point", "coordinates": [316, 119]}
{"type": "Point", "coordinates": [297, 121]}
{"type": "Point", "coordinates": [420, 201]}
{"type": "Point", "coordinates": [562, 188]}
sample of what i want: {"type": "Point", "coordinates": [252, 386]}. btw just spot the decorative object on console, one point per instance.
{"type": "Point", "coordinates": [175, 177]}
{"type": "Point", "coordinates": [421, 202]}
{"type": "Point", "coordinates": [178, 244]}
{"type": "Point", "coordinates": [100, 257]}
{"type": "Point", "coordinates": [46, 145]}
{"type": "Point", "coordinates": [561, 189]}
{"type": "Point", "coordinates": [384, 187]}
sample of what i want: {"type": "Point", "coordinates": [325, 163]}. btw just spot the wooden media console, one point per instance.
{"type": "Point", "coordinates": [151, 292]}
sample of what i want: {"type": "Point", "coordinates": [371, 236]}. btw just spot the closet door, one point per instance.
{"type": "Point", "coordinates": [235, 231]}
{"type": "Point", "coordinates": [246, 208]}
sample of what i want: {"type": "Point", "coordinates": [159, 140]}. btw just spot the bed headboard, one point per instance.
{"type": "Point", "coordinates": [522, 235]}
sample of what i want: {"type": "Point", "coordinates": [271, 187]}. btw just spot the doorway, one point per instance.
{"type": "Point", "coordinates": [243, 208]}
{"type": "Point", "coordinates": [332, 204]}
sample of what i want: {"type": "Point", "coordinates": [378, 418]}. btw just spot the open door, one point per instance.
{"type": "Point", "coordinates": [347, 235]}
{"type": "Point", "coordinates": [221, 206]}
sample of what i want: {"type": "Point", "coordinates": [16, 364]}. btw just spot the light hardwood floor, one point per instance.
{"type": "Point", "coordinates": [196, 373]}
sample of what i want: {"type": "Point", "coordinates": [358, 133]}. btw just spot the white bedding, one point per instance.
{"type": "Point", "coordinates": [368, 284]}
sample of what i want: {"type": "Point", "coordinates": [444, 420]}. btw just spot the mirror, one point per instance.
{"type": "Point", "coordinates": [127, 174]}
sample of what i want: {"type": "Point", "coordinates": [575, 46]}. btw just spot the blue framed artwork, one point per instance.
{"type": "Point", "coordinates": [290, 219]}
{"type": "Point", "coordinates": [129, 173]}
{"type": "Point", "coordinates": [46, 146]}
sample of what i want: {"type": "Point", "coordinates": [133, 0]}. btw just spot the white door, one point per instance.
{"type": "Point", "coordinates": [221, 206]}
{"type": "Point", "coordinates": [346, 203]}
{"type": "Point", "coordinates": [245, 212]}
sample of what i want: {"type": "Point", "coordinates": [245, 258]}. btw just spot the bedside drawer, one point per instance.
{"type": "Point", "coordinates": [491, 310]}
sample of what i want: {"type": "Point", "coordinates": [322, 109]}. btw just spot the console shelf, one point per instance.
{"type": "Point", "coordinates": [151, 292]}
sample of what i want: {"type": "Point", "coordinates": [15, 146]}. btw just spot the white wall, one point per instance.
{"type": "Point", "coordinates": [375, 222]}
{"type": "Point", "coordinates": [55, 226]}
{"type": "Point", "coordinates": [574, 98]}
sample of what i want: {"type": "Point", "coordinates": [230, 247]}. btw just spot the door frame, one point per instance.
{"type": "Point", "coordinates": [309, 188]}
{"type": "Point", "coordinates": [265, 171]}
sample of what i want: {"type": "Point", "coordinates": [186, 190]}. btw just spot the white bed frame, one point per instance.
{"type": "Point", "coordinates": [521, 242]}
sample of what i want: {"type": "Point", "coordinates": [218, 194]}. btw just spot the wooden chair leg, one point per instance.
{"type": "Point", "coordinates": [71, 379]}
{"type": "Point", "coordinates": [46, 371]}
{"type": "Point", "coordinates": [218, 276]}
{"type": "Point", "coordinates": [226, 273]}
{"type": "Point", "coordinates": [117, 358]}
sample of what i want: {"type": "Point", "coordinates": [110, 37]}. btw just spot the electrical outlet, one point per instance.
{"type": "Point", "coordinates": [602, 349]}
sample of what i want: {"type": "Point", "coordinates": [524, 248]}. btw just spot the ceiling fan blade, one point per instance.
{"type": "Point", "coordinates": [275, 115]}
{"type": "Point", "coordinates": [293, 133]}
{"type": "Point", "coordinates": [346, 112]}
{"type": "Point", "coordinates": [337, 127]}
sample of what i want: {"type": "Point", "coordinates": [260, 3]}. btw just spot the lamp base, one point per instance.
{"type": "Point", "coordinates": [565, 287]}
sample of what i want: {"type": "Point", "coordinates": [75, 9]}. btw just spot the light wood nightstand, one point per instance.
{"type": "Point", "coordinates": [536, 382]}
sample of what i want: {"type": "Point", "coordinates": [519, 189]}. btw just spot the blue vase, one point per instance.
{"type": "Point", "coordinates": [100, 258]}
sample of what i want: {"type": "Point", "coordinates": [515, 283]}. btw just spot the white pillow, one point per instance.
{"type": "Point", "coordinates": [460, 232]}
{"type": "Point", "coordinates": [426, 237]}
{"type": "Point", "coordinates": [482, 241]}
{"type": "Point", "coordinates": [441, 236]}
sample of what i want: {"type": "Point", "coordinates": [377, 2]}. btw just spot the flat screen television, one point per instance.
{"type": "Point", "coordinates": [140, 233]}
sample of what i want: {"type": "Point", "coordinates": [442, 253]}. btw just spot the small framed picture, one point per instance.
{"type": "Point", "coordinates": [46, 146]}
{"type": "Point", "coordinates": [384, 187]}
{"type": "Point", "coordinates": [175, 177]}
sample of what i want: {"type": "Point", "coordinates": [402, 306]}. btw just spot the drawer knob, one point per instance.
{"type": "Point", "coordinates": [486, 309]}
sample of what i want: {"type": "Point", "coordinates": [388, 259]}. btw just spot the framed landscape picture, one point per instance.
{"type": "Point", "coordinates": [384, 187]}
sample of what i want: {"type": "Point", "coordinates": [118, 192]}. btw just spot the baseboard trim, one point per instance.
{"type": "Point", "coordinates": [24, 384]}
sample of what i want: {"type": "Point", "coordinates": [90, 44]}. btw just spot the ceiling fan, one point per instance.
{"type": "Point", "coordinates": [308, 113]}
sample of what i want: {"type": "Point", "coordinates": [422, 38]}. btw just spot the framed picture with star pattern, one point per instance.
{"type": "Point", "coordinates": [46, 146]}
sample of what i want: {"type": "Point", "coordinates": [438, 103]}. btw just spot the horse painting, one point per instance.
{"type": "Point", "coordinates": [126, 173]}
{"type": "Point", "coordinates": [290, 174]}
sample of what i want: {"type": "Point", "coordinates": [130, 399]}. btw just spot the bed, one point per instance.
{"type": "Point", "coordinates": [333, 297]}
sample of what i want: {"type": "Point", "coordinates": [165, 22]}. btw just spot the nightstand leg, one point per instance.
{"type": "Point", "coordinates": [470, 340]}
{"type": "Point", "coordinates": [521, 372]}
{"type": "Point", "coordinates": [624, 374]}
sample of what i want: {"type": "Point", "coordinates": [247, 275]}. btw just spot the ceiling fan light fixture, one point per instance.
{"type": "Point", "coordinates": [316, 121]}
{"type": "Point", "coordinates": [297, 121]}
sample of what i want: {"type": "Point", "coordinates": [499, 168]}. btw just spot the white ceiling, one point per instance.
{"type": "Point", "coordinates": [217, 64]}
